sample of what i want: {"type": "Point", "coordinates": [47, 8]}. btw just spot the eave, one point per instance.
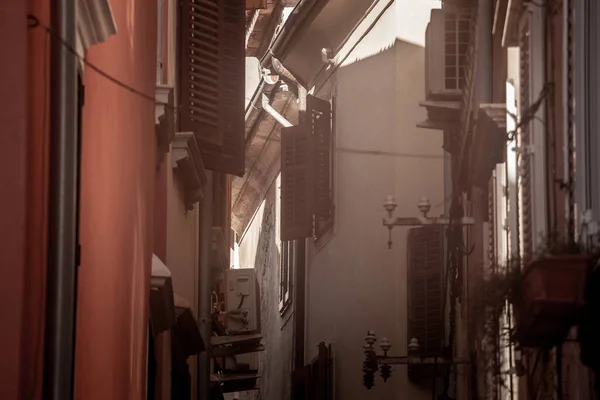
{"type": "Point", "coordinates": [95, 23]}
{"type": "Point", "coordinates": [262, 157]}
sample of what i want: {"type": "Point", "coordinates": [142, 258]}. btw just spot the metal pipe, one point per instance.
{"type": "Point", "coordinates": [62, 213]}
{"type": "Point", "coordinates": [205, 288]}
{"type": "Point", "coordinates": [273, 112]}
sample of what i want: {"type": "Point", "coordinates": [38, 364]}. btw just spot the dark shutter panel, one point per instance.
{"type": "Point", "coordinates": [319, 114]}
{"type": "Point", "coordinates": [213, 80]}
{"type": "Point", "coordinates": [296, 184]}
{"type": "Point", "coordinates": [425, 288]}
{"type": "Point", "coordinates": [301, 383]}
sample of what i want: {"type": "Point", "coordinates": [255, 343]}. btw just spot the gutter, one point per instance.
{"type": "Point", "coordinates": [273, 112]}
{"type": "Point", "coordinates": [59, 347]}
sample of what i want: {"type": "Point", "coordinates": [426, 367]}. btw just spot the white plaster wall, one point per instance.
{"type": "Point", "coordinates": [182, 248]}
{"type": "Point", "coordinates": [354, 283]}
{"type": "Point", "coordinates": [260, 248]}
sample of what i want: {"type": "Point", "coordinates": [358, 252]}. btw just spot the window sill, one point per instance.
{"type": "Point", "coordinates": [286, 317]}
{"type": "Point", "coordinates": [324, 236]}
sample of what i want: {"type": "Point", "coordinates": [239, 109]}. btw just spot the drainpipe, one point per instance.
{"type": "Point", "coordinates": [205, 288]}
{"type": "Point", "coordinates": [273, 112]}
{"type": "Point", "coordinates": [62, 208]}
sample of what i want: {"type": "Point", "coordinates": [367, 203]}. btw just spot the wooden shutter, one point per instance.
{"type": "Point", "coordinates": [425, 292]}
{"type": "Point", "coordinates": [296, 183]}
{"type": "Point", "coordinates": [315, 380]}
{"type": "Point", "coordinates": [212, 86]}
{"type": "Point", "coordinates": [319, 119]}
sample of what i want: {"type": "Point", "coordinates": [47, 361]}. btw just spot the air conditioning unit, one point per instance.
{"type": "Point", "coordinates": [446, 44]}
{"type": "Point", "coordinates": [243, 302]}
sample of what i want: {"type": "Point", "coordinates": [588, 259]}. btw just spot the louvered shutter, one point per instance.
{"type": "Point", "coordinates": [212, 86]}
{"type": "Point", "coordinates": [425, 289]}
{"type": "Point", "coordinates": [319, 118]}
{"type": "Point", "coordinates": [296, 183]}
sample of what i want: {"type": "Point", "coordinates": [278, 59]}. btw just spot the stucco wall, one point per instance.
{"type": "Point", "coordinates": [260, 248]}
{"type": "Point", "coordinates": [354, 283]}
{"type": "Point", "coordinates": [182, 247]}
{"type": "Point", "coordinates": [15, 116]}
{"type": "Point", "coordinates": [117, 189]}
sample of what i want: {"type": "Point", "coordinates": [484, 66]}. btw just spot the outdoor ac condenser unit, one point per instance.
{"type": "Point", "coordinates": [446, 44]}
{"type": "Point", "coordinates": [243, 302]}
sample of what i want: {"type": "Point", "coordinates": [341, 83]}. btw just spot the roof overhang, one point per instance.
{"type": "Point", "coordinates": [262, 155]}
{"type": "Point", "coordinates": [326, 25]}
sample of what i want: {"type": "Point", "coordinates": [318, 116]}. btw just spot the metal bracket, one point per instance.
{"type": "Point", "coordinates": [415, 360]}
{"type": "Point", "coordinates": [528, 149]}
{"type": "Point", "coordinates": [422, 221]}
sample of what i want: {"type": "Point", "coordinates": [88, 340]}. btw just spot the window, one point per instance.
{"type": "Point", "coordinates": [325, 219]}
{"type": "Point", "coordinates": [457, 32]}
{"type": "Point", "coordinates": [425, 262]}
{"type": "Point", "coordinates": [286, 275]}
{"type": "Point", "coordinates": [307, 174]}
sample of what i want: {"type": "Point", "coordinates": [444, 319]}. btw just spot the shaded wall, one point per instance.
{"type": "Point", "coordinates": [260, 248]}
{"type": "Point", "coordinates": [354, 283]}
{"type": "Point", "coordinates": [118, 177]}
{"type": "Point", "coordinates": [182, 248]}
{"type": "Point", "coordinates": [23, 173]}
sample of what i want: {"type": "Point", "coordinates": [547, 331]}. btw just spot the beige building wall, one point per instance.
{"type": "Point", "coordinates": [354, 282]}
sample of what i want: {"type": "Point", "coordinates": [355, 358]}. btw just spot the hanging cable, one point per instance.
{"type": "Point", "coordinates": [34, 22]}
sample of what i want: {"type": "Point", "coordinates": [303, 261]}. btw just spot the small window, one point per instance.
{"type": "Point", "coordinates": [324, 221]}
{"type": "Point", "coordinates": [285, 275]}
{"type": "Point", "coordinates": [457, 42]}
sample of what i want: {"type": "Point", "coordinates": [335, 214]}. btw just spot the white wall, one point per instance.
{"type": "Point", "coordinates": [354, 283]}
{"type": "Point", "coordinates": [260, 248]}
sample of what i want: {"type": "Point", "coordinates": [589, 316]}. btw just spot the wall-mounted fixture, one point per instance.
{"type": "Point", "coordinates": [424, 206]}
{"type": "Point", "coordinates": [382, 363]}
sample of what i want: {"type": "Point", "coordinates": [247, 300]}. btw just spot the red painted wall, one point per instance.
{"type": "Point", "coordinates": [13, 141]}
{"type": "Point", "coordinates": [118, 177]}
{"type": "Point", "coordinates": [23, 177]}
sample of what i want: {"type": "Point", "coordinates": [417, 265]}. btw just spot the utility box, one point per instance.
{"type": "Point", "coordinates": [243, 302]}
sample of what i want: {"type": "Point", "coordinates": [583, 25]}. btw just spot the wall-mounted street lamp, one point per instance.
{"type": "Point", "coordinates": [424, 207]}
{"type": "Point", "coordinates": [382, 363]}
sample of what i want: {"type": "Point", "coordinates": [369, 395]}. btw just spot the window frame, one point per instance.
{"type": "Point", "coordinates": [455, 19]}
{"type": "Point", "coordinates": [286, 271]}
{"type": "Point", "coordinates": [323, 228]}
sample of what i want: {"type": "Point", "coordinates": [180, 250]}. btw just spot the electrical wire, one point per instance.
{"type": "Point", "coordinates": [34, 22]}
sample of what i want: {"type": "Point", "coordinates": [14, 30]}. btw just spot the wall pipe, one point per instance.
{"type": "Point", "coordinates": [273, 112]}
{"type": "Point", "coordinates": [205, 288]}
{"type": "Point", "coordinates": [59, 346]}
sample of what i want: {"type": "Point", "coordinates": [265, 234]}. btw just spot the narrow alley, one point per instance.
{"type": "Point", "coordinates": [300, 200]}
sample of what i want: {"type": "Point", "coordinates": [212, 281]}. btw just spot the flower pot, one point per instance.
{"type": "Point", "coordinates": [551, 296]}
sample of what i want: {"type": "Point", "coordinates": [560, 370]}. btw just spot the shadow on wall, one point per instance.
{"type": "Point", "coordinates": [275, 362]}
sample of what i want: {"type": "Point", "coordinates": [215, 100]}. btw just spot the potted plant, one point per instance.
{"type": "Point", "coordinates": [550, 293]}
